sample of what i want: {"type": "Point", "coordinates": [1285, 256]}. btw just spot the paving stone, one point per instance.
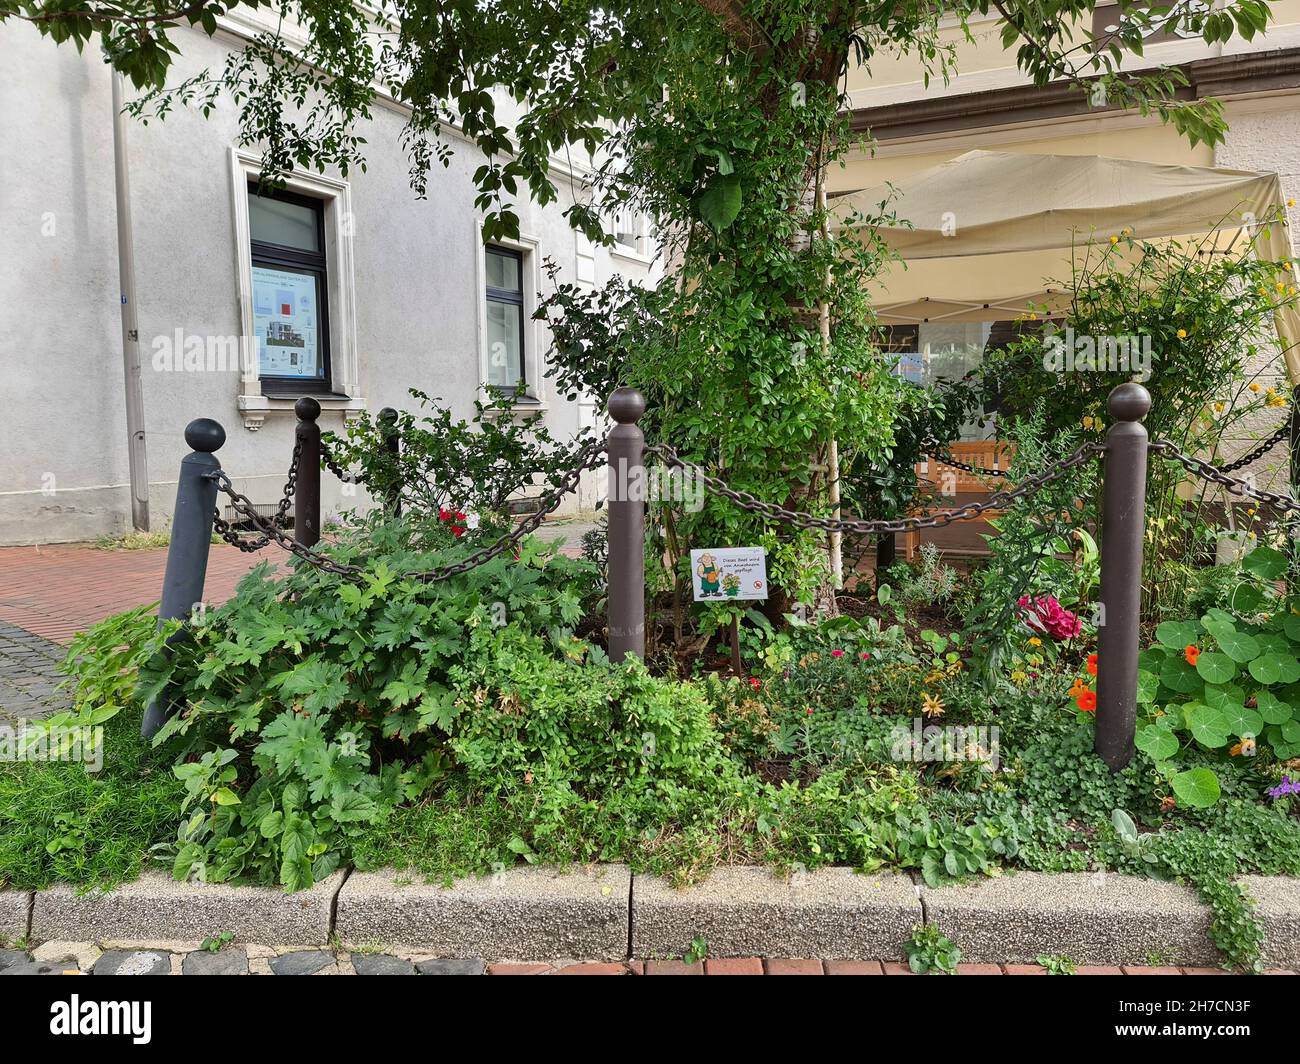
{"type": "Point", "coordinates": [518, 969]}
{"type": "Point", "coordinates": [9, 957]}
{"type": "Point", "coordinates": [156, 907]}
{"type": "Point", "coordinates": [1025, 969]}
{"type": "Point", "coordinates": [793, 966]}
{"type": "Point", "coordinates": [750, 912]}
{"type": "Point", "coordinates": [734, 966]}
{"type": "Point", "coordinates": [1204, 971]}
{"type": "Point", "coordinates": [673, 968]}
{"type": "Point", "coordinates": [1094, 919]}
{"type": "Point", "coordinates": [520, 912]}
{"type": "Point", "coordinates": [592, 969]}
{"type": "Point", "coordinates": [854, 968]}
{"type": "Point", "coordinates": [133, 962]}
{"type": "Point", "coordinates": [381, 964]}
{"type": "Point", "coordinates": [978, 969]}
{"type": "Point", "coordinates": [1092, 969]}
{"type": "Point", "coordinates": [894, 968]}
{"type": "Point", "coordinates": [302, 962]}
{"type": "Point", "coordinates": [437, 966]}
{"type": "Point", "coordinates": [56, 966]}
{"type": "Point", "coordinates": [1149, 970]}
{"type": "Point", "coordinates": [233, 960]}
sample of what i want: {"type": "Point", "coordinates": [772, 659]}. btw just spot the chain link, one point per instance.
{"type": "Point", "coordinates": [1219, 475]}
{"type": "Point", "coordinates": [249, 544]}
{"type": "Point", "coordinates": [997, 501]}
{"type": "Point", "coordinates": [336, 469]}
{"type": "Point", "coordinates": [1283, 432]}
{"type": "Point", "coordinates": [944, 458]}
{"type": "Point", "coordinates": [586, 457]}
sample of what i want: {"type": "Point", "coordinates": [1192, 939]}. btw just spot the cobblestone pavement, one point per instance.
{"type": "Point", "coordinates": [28, 675]}
{"type": "Point", "coordinates": [73, 958]}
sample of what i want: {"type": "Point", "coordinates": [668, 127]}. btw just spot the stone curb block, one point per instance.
{"type": "Point", "coordinates": [156, 907]}
{"type": "Point", "coordinates": [15, 908]}
{"type": "Point", "coordinates": [749, 912]}
{"type": "Point", "coordinates": [1277, 901]}
{"type": "Point", "coordinates": [1094, 919]}
{"type": "Point", "coordinates": [520, 913]}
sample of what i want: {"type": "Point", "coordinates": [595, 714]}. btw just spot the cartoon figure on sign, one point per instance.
{"type": "Point", "coordinates": [710, 575]}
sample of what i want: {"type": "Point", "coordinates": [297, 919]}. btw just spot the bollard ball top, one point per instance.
{"type": "Point", "coordinates": [1129, 402]}
{"type": "Point", "coordinates": [204, 434]}
{"type": "Point", "coordinates": [626, 405]}
{"type": "Point", "coordinates": [307, 408]}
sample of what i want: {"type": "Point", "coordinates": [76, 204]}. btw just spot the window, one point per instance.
{"type": "Point", "coordinates": [290, 291]}
{"type": "Point", "coordinates": [505, 319]}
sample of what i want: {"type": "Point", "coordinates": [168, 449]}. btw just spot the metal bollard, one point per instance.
{"type": "Point", "coordinates": [306, 509]}
{"type": "Point", "coordinates": [393, 445]}
{"type": "Point", "coordinates": [1123, 525]}
{"type": "Point", "coordinates": [626, 532]}
{"type": "Point", "coordinates": [187, 553]}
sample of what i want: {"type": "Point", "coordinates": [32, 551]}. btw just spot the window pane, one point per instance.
{"type": "Point", "coordinates": [290, 225]}
{"type": "Point", "coordinates": [505, 359]}
{"type": "Point", "coordinates": [503, 271]}
{"type": "Point", "coordinates": [286, 322]}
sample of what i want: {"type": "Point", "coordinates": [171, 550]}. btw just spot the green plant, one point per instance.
{"type": "Point", "coordinates": [1057, 965]}
{"type": "Point", "coordinates": [930, 952]}
{"type": "Point", "coordinates": [698, 951]}
{"type": "Point", "coordinates": [216, 943]}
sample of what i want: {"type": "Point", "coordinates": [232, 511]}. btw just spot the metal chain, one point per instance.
{"type": "Point", "coordinates": [279, 519]}
{"type": "Point", "coordinates": [943, 458]}
{"type": "Point", "coordinates": [587, 458]}
{"type": "Point", "coordinates": [1283, 432]}
{"type": "Point", "coordinates": [336, 469]}
{"type": "Point", "coordinates": [997, 501]}
{"type": "Point", "coordinates": [1219, 475]}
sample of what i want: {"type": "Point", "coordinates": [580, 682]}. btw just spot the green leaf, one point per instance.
{"type": "Point", "coordinates": [1239, 646]}
{"type": "Point", "coordinates": [1196, 787]}
{"type": "Point", "coordinates": [1178, 676]}
{"type": "Point", "coordinates": [1157, 741]}
{"type": "Point", "coordinates": [225, 796]}
{"type": "Point", "coordinates": [1215, 668]}
{"type": "Point", "coordinates": [1206, 724]}
{"type": "Point", "coordinates": [1242, 721]}
{"type": "Point", "coordinates": [720, 202]}
{"type": "Point", "coordinates": [1266, 563]}
{"type": "Point", "coordinates": [1148, 685]}
{"type": "Point", "coordinates": [1177, 635]}
{"type": "Point", "coordinates": [1272, 709]}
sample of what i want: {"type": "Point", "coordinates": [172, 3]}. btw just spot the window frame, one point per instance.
{"type": "Point", "coordinates": [265, 253]}
{"type": "Point", "coordinates": [509, 297]}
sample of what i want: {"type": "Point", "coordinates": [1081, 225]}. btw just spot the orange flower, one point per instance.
{"type": "Point", "coordinates": [1191, 654]}
{"type": "Point", "coordinates": [1092, 665]}
{"type": "Point", "coordinates": [1087, 701]}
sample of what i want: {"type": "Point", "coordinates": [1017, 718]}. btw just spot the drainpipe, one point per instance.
{"type": "Point", "coordinates": [130, 326]}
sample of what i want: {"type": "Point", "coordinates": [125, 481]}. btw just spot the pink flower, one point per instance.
{"type": "Point", "coordinates": [1044, 614]}
{"type": "Point", "coordinates": [837, 653]}
{"type": "Point", "coordinates": [864, 655]}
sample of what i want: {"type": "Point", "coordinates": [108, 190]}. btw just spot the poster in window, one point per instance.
{"type": "Point", "coordinates": [286, 321]}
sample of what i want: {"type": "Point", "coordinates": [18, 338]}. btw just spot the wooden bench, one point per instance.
{"type": "Point", "coordinates": [957, 487]}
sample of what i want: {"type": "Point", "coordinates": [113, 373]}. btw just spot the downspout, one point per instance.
{"type": "Point", "coordinates": [135, 442]}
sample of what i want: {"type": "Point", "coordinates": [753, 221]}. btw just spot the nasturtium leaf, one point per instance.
{"type": "Point", "coordinates": [1197, 787]}
{"type": "Point", "coordinates": [1177, 634]}
{"type": "Point", "coordinates": [1158, 741]}
{"type": "Point", "coordinates": [1247, 599]}
{"type": "Point", "coordinates": [1215, 668]}
{"type": "Point", "coordinates": [1272, 708]}
{"type": "Point", "coordinates": [1267, 668]}
{"type": "Point", "coordinates": [1266, 563]}
{"type": "Point", "coordinates": [1220, 696]}
{"type": "Point", "coordinates": [1242, 721]}
{"type": "Point", "coordinates": [1148, 685]}
{"type": "Point", "coordinates": [1291, 731]}
{"type": "Point", "coordinates": [1291, 625]}
{"type": "Point", "coordinates": [1275, 642]}
{"type": "Point", "coordinates": [1239, 646]}
{"type": "Point", "coordinates": [1208, 725]}
{"type": "Point", "coordinates": [1178, 676]}
{"type": "Point", "coordinates": [1288, 668]}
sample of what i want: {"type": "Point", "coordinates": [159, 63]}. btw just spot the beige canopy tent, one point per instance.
{"type": "Point", "coordinates": [989, 228]}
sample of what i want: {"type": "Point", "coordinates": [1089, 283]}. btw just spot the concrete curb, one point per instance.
{"type": "Point", "coordinates": [517, 913]}
{"type": "Point", "coordinates": [1094, 919]}
{"type": "Point", "coordinates": [15, 914]}
{"type": "Point", "coordinates": [156, 907]}
{"type": "Point", "coordinates": [604, 913]}
{"type": "Point", "coordinates": [748, 912]}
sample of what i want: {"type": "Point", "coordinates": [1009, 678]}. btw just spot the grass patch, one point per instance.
{"type": "Point", "coordinates": [59, 823]}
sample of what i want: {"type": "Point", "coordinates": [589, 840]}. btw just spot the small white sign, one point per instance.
{"type": "Point", "coordinates": [729, 573]}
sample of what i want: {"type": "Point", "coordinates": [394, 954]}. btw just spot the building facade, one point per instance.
{"type": "Point", "coordinates": [348, 289]}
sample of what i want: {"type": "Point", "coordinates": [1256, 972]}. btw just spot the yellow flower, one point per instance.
{"type": "Point", "coordinates": [1218, 407]}
{"type": "Point", "coordinates": [1262, 291]}
{"type": "Point", "coordinates": [1034, 641]}
{"type": "Point", "coordinates": [1088, 422]}
{"type": "Point", "coordinates": [1254, 386]}
{"type": "Point", "coordinates": [1182, 334]}
{"type": "Point", "coordinates": [1114, 240]}
{"type": "Point", "coordinates": [1125, 232]}
{"type": "Point", "coordinates": [1019, 677]}
{"type": "Point", "coordinates": [1290, 203]}
{"type": "Point", "coordinates": [931, 706]}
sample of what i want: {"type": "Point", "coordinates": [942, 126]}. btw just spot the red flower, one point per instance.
{"type": "Point", "coordinates": [1092, 665]}
{"type": "Point", "coordinates": [864, 655]}
{"type": "Point", "coordinates": [837, 653]}
{"type": "Point", "coordinates": [1191, 653]}
{"type": "Point", "coordinates": [809, 711]}
{"type": "Point", "coordinates": [1087, 701]}
{"type": "Point", "coordinates": [444, 515]}
{"type": "Point", "coordinates": [755, 682]}
{"type": "Point", "coordinates": [460, 516]}
{"type": "Point", "coordinates": [457, 531]}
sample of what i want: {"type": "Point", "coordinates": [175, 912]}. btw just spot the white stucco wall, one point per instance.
{"type": "Point", "coordinates": [418, 298]}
